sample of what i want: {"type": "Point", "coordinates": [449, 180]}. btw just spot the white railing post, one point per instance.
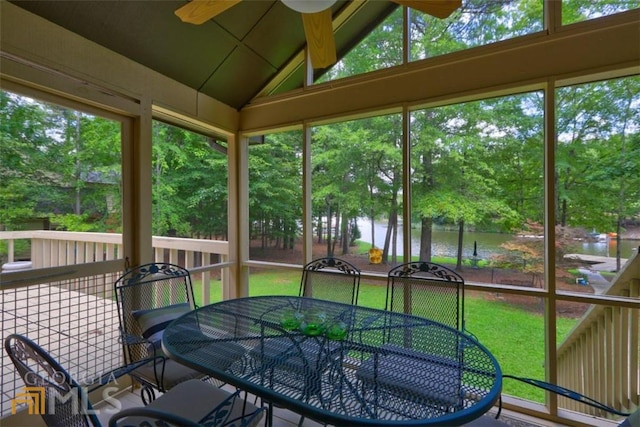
{"type": "Point", "coordinates": [11, 248]}
{"type": "Point", "coordinates": [606, 342]}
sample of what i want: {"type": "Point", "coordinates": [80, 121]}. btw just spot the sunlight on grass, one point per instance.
{"type": "Point", "coordinates": [274, 282]}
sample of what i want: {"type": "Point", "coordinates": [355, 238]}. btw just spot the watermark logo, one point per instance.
{"type": "Point", "coordinates": [33, 397]}
{"type": "Point", "coordinates": [43, 401]}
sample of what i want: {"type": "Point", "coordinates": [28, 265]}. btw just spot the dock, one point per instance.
{"type": "Point", "coordinates": [598, 263]}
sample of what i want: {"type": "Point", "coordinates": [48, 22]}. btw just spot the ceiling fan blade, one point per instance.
{"type": "Point", "coordinates": [318, 29]}
{"type": "Point", "coordinates": [438, 8]}
{"type": "Point", "coordinates": [200, 11]}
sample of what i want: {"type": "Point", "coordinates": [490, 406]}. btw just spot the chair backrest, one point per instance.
{"type": "Point", "coordinates": [428, 290]}
{"type": "Point", "coordinates": [156, 293]}
{"type": "Point", "coordinates": [55, 395]}
{"type": "Point", "coordinates": [331, 279]}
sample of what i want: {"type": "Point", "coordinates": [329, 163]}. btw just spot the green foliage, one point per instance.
{"type": "Point", "coordinates": [72, 222]}
{"type": "Point", "coordinates": [580, 10]}
{"type": "Point", "coordinates": [476, 23]}
{"type": "Point", "coordinates": [382, 48]}
{"type": "Point", "coordinates": [189, 184]}
{"type": "Point", "coordinates": [57, 161]}
{"type": "Point", "coordinates": [21, 248]}
{"type": "Point", "coordinates": [275, 189]}
{"type": "Point", "coordinates": [475, 164]}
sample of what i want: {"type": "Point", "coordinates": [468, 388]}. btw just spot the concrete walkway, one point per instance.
{"type": "Point", "coordinates": [599, 284]}
{"type": "Point", "coordinates": [598, 263]}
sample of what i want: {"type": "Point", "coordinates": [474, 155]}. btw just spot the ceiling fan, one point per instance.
{"type": "Point", "coordinates": [316, 19]}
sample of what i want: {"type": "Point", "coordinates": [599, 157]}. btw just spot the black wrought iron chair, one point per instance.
{"type": "Point", "coordinates": [192, 403]}
{"type": "Point", "coordinates": [328, 278]}
{"type": "Point", "coordinates": [436, 293]}
{"type": "Point", "coordinates": [427, 290]}
{"type": "Point", "coordinates": [48, 385]}
{"type": "Point", "coordinates": [61, 401]}
{"type": "Point", "coordinates": [332, 279]}
{"type": "Point", "coordinates": [148, 298]}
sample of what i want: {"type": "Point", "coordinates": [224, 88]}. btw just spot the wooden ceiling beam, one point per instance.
{"type": "Point", "coordinates": [520, 62]}
{"type": "Point", "coordinates": [297, 61]}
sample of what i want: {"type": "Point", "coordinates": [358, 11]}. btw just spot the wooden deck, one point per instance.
{"type": "Point", "coordinates": [79, 330]}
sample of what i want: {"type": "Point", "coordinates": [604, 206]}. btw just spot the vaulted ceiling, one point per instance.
{"type": "Point", "coordinates": [254, 48]}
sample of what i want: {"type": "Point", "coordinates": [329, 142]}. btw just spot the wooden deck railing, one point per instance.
{"type": "Point", "coordinates": [65, 301]}
{"type": "Point", "coordinates": [206, 259]}
{"type": "Point", "coordinates": [600, 356]}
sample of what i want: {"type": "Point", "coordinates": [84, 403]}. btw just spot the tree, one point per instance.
{"type": "Point", "coordinates": [600, 173]}
{"type": "Point", "coordinates": [190, 183]}
{"type": "Point", "coordinates": [22, 134]}
{"type": "Point", "coordinates": [59, 164]}
{"type": "Point", "coordinates": [275, 189]}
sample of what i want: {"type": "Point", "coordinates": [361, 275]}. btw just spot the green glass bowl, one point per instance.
{"type": "Point", "coordinates": [313, 323]}
{"type": "Point", "coordinates": [337, 331]}
{"type": "Point", "coordinates": [290, 319]}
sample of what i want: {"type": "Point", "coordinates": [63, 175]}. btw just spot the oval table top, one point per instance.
{"type": "Point", "coordinates": [338, 363]}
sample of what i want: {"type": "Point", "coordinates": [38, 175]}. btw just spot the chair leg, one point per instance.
{"type": "Point", "coordinates": [148, 394]}
{"type": "Point", "coordinates": [268, 422]}
{"type": "Point", "coordinates": [499, 406]}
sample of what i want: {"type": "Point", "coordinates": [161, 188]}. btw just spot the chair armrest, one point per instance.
{"type": "Point", "coordinates": [129, 339]}
{"type": "Point", "coordinates": [571, 394]}
{"type": "Point", "coordinates": [469, 333]}
{"type": "Point", "coordinates": [150, 414]}
{"type": "Point", "coordinates": [229, 411]}
{"type": "Point", "coordinates": [150, 346]}
{"type": "Point", "coordinates": [632, 420]}
{"type": "Point", "coordinates": [114, 374]}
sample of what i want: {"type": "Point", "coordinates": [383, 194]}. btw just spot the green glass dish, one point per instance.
{"type": "Point", "coordinates": [337, 331]}
{"type": "Point", "coordinates": [313, 323]}
{"type": "Point", "coordinates": [290, 319]}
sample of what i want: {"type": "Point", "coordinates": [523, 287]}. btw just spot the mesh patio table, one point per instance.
{"type": "Point", "coordinates": [340, 364]}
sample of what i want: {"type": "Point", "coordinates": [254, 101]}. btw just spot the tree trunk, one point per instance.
{"type": "Point", "coordinates": [336, 232]}
{"type": "Point", "coordinates": [426, 236]}
{"type": "Point", "coordinates": [460, 244]}
{"type": "Point", "coordinates": [78, 208]}
{"type": "Point", "coordinates": [320, 228]}
{"type": "Point", "coordinates": [387, 239]}
{"type": "Point", "coordinates": [563, 213]}
{"type": "Point", "coordinates": [345, 235]}
{"type": "Point", "coordinates": [426, 223]}
{"type": "Point", "coordinates": [394, 238]}
{"type": "Point", "coordinates": [392, 226]}
{"type": "Point", "coordinates": [329, 231]}
{"type": "Point", "coordinates": [373, 229]}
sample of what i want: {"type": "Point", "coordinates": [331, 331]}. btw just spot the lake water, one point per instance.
{"type": "Point", "coordinates": [445, 243]}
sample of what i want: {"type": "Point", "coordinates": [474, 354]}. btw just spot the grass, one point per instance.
{"type": "Point", "coordinates": [513, 335]}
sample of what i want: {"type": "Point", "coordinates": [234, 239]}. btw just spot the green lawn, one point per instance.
{"type": "Point", "coordinates": [513, 335]}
